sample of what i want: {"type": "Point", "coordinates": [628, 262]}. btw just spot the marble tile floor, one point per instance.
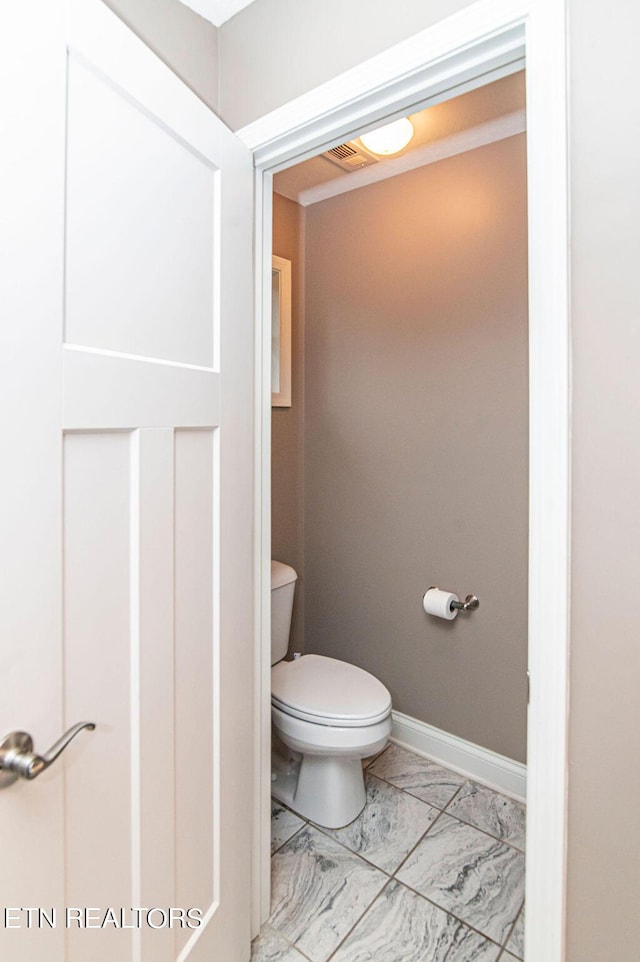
{"type": "Point", "coordinates": [431, 871]}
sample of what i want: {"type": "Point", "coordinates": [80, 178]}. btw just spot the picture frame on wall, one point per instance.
{"type": "Point", "coordinates": [280, 332]}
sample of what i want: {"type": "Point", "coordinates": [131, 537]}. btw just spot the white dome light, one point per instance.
{"type": "Point", "coordinates": [389, 139]}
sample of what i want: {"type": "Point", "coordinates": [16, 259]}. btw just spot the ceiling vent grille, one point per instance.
{"type": "Point", "coordinates": [350, 157]}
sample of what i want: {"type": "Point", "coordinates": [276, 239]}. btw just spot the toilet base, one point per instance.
{"type": "Point", "coordinates": [326, 789]}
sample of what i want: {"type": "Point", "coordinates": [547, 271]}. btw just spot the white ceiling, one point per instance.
{"type": "Point", "coordinates": [217, 11]}
{"type": "Point", "coordinates": [478, 117]}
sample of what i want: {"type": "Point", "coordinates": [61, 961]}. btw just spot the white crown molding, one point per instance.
{"type": "Point", "coordinates": [478, 136]}
{"type": "Point", "coordinates": [479, 764]}
{"type": "Point", "coordinates": [216, 12]}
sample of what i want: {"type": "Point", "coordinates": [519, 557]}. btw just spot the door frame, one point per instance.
{"type": "Point", "coordinates": [479, 41]}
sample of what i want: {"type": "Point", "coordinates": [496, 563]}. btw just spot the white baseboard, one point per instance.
{"type": "Point", "coordinates": [477, 763]}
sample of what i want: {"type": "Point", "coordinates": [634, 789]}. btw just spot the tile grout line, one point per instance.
{"type": "Point", "coordinates": [496, 838]}
{"type": "Point", "coordinates": [444, 811]}
{"type": "Point", "coordinates": [515, 922]}
{"type": "Point", "coordinates": [388, 879]}
{"type": "Point", "coordinates": [356, 924]}
{"type": "Point", "coordinates": [424, 834]}
{"type": "Point", "coordinates": [450, 802]}
{"type": "Point", "coordinates": [467, 925]}
{"type": "Point", "coordinates": [325, 833]}
{"type": "Point", "coordinates": [448, 911]}
{"type": "Point", "coordinates": [287, 808]}
{"type": "Point", "coordinates": [284, 939]}
{"type": "Point", "coordinates": [483, 831]}
{"type": "Point", "coordinates": [374, 758]}
{"type": "Point", "coordinates": [455, 795]}
{"type": "Point", "coordinates": [297, 832]}
{"type": "Point", "coordinates": [440, 808]}
{"type": "Point", "coordinates": [406, 791]}
{"type": "Point", "coordinates": [431, 901]}
{"type": "Point", "coordinates": [431, 762]}
{"type": "Point", "coordinates": [392, 876]}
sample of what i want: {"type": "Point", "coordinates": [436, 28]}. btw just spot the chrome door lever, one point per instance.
{"type": "Point", "coordinates": [18, 759]}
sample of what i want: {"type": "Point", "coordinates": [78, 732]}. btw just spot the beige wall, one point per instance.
{"type": "Point", "coordinates": [184, 40]}
{"type": "Point", "coordinates": [287, 424]}
{"type": "Point", "coordinates": [604, 836]}
{"type": "Point", "coordinates": [416, 436]}
{"type": "Point", "coordinates": [308, 42]}
{"type": "Point", "coordinates": [604, 745]}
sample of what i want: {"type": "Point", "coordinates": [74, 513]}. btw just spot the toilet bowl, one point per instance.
{"type": "Point", "coordinates": [328, 714]}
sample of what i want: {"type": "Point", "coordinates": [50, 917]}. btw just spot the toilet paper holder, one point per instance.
{"type": "Point", "coordinates": [470, 603]}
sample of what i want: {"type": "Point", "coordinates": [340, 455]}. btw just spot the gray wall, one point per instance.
{"type": "Point", "coordinates": [604, 778]}
{"type": "Point", "coordinates": [287, 424]}
{"type": "Point", "coordinates": [185, 41]}
{"type": "Point", "coordinates": [416, 437]}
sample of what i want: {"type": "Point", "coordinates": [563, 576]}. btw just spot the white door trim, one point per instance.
{"type": "Point", "coordinates": [486, 36]}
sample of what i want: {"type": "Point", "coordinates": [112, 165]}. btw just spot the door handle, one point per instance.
{"type": "Point", "coordinates": [18, 759]}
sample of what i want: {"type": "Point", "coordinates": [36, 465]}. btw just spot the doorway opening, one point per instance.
{"type": "Point", "coordinates": [465, 58]}
{"type": "Point", "coordinates": [399, 461]}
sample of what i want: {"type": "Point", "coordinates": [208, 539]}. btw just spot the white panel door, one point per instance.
{"type": "Point", "coordinates": [127, 488]}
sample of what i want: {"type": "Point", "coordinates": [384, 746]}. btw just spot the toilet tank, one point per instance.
{"type": "Point", "coordinates": [283, 586]}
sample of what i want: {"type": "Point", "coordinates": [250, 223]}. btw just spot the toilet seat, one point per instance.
{"type": "Point", "coordinates": [328, 692]}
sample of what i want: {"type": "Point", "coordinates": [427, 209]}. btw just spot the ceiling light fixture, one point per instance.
{"type": "Point", "coordinates": [389, 139]}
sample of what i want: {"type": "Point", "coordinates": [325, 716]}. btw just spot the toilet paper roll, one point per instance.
{"type": "Point", "coordinates": [438, 603]}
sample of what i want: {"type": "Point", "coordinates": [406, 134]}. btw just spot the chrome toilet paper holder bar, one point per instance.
{"type": "Point", "coordinates": [470, 603]}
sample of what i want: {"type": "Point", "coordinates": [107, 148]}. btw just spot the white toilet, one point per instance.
{"type": "Point", "coordinates": [329, 714]}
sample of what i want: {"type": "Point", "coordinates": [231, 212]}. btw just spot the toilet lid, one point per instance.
{"type": "Point", "coordinates": [329, 692]}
